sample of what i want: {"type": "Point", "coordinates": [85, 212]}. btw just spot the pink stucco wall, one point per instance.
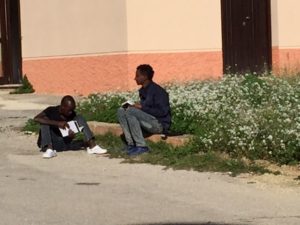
{"type": "Point", "coordinates": [90, 74]}
{"type": "Point", "coordinates": [286, 61]}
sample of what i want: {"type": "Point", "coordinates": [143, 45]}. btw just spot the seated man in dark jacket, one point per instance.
{"type": "Point", "coordinates": [152, 114]}
{"type": "Point", "coordinates": [55, 117]}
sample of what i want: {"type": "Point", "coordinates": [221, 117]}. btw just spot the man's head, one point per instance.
{"type": "Point", "coordinates": [67, 105]}
{"type": "Point", "coordinates": [144, 74]}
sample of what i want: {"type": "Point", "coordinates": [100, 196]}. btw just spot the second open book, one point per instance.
{"type": "Point", "coordinates": [73, 125]}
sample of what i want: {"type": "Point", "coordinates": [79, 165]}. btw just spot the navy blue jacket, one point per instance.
{"type": "Point", "coordinates": [155, 101]}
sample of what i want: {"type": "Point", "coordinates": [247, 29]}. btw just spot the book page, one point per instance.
{"type": "Point", "coordinates": [73, 125]}
{"type": "Point", "coordinates": [127, 103]}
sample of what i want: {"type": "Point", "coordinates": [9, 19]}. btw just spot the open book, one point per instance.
{"type": "Point", "coordinates": [73, 125]}
{"type": "Point", "coordinates": [127, 103]}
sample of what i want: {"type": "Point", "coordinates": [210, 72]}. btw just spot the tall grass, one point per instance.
{"type": "Point", "coordinates": [255, 117]}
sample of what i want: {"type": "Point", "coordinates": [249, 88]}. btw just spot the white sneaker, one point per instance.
{"type": "Point", "coordinates": [96, 150]}
{"type": "Point", "coordinates": [49, 153]}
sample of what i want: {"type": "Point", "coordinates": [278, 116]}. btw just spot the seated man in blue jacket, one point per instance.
{"type": "Point", "coordinates": [152, 114]}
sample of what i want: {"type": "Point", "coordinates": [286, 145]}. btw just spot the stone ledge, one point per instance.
{"type": "Point", "coordinates": [10, 86]}
{"type": "Point", "coordinates": [7, 88]}
{"type": "Point", "coordinates": [100, 128]}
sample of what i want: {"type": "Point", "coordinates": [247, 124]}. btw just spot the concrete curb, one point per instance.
{"type": "Point", "coordinates": [100, 128]}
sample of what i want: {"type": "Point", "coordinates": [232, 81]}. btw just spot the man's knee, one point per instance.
{"type": "Point", "coordinates": [121, 111]}
{"type": "Point", "coordinates": [131, 111]}
{"type": "Point", "coordinates": [79, 119]}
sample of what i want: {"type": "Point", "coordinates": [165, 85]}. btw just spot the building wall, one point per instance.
{"type": "Point", "coordinates": [286, 36]}
{"type": "Point", "coordinates": [72, 27]}
{"type": "Point", "coordinates": [96, 47]}
{"type": "Point", "coordinates": [174, 25]}
{"type": "Point", "coordinates": [181, 38]}
{"type": "Point", "coordinates": [76, 47]}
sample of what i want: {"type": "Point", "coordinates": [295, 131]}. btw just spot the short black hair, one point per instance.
{"type": "Point", "coordinates": [68, 99]}
{"type": "Point", "coordinates": [147, 70]}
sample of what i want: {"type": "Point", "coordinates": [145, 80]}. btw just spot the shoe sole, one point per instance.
{"type": "Point", "coordinates": [137, 153]}
{"type": "Point", "coordinates": [47, 157]}
{"type": "Point", "coordinates": [91, 153]}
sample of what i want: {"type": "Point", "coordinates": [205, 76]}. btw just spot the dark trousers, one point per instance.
{"type": "Point", "coordinates": [48, 137]}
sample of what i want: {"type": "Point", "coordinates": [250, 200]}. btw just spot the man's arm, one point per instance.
{"type": "Point", "coordinates": [43, 119]}
{"type": "Point", "coordinates": [161, 104]}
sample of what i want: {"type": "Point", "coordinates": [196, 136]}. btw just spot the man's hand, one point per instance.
{"type": "Point", "coordinates": [71, 134]}
{"type": "Point", "coordinates": [137, 105]}
{"type": "Point", "coordinates": [63, 124]}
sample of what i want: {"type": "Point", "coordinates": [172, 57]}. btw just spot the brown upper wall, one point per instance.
{"type": "Point", "coordinates": [72, 27]}
{"type": "Point", "coordinates": [174, 25]}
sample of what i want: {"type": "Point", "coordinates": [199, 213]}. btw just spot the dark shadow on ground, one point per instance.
{"type": "Point", "coordinates": [204, 223]}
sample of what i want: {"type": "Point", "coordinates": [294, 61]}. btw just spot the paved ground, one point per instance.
{"type": "Point", "coordinates": [77, 189]}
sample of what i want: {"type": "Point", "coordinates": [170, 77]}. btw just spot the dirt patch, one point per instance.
{"type": "Point", "coordinates": [284, 176]}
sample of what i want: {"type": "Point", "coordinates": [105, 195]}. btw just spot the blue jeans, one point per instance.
{"type": "Point", "coordinates": [48, 137]}
{"type": "Point", "coordinates": [133, 121]}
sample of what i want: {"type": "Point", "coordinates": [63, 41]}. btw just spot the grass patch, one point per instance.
{"type": "Point", "coordinates": [180, 158]}
{"type": "Point", "coordinates": [25, 88]}
{"type": "Point", "coordinates": [251, 116]}
{"type": "Point", "coordinates": [31, 126]}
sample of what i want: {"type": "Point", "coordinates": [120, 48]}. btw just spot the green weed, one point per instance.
{"type": "Point", "coordinates": [250, 116]}
{"type": "Point", "coordinates": [179, 158]}
{"type": "Point", "coordinates": [25, 88]}
{"type": "Point", "coordinates": [31, 126]}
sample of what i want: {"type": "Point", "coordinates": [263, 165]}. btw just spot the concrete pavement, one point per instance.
{"type": "Point", "coordinates": [79, 189]}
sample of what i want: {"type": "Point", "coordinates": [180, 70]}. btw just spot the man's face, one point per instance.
{"type": "Point", "coordinates": [140, 78]}
{"type": "Point", "coordinates": [67, 109]}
